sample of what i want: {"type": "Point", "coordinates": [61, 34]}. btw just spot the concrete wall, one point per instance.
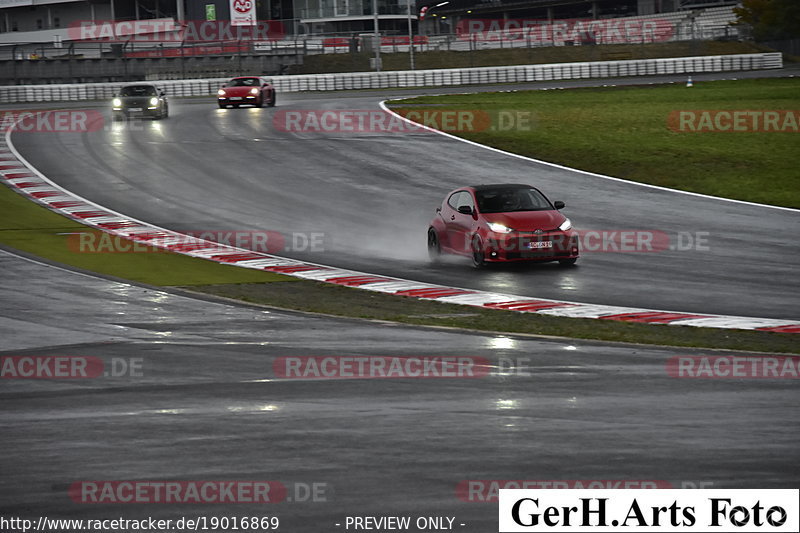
{"type": "Point", "coordinates": [131, 69]}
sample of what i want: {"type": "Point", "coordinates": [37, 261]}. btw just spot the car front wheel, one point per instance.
{"type": "Point", "coordinates": [478, 254]}
{"type": "Point", "coordinates": [434, 250]}
{"type": "Point", "coordinates": [567, 262]}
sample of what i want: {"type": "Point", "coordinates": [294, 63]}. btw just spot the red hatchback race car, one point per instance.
{"type": "Point", "coordinates": [246, 90]}
{"type": "Point", "coordinates": [506, 222]}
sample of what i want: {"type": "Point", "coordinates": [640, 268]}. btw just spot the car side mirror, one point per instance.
{"type": "Point", "coordinates": [559, 204]}
{"type": "Point", "coordinates": [224, 85]}
{"type": "Point", "coordinates": [465, 210]}
{"type": "Point", "coordinates": [162, 93]}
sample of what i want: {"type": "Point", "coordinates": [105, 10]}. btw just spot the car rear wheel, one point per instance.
{"type": "Point", "coordinates": [567, 262]}
{"type": "Point", "coordinates": [478, 254]}
{"type": "Point", "coordinates": [434, 250]}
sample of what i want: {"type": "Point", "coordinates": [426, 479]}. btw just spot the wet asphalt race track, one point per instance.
{"type": "Point", "coordinates": [204, 404]}
{"type": "Point", "coordinates": [372, 195]}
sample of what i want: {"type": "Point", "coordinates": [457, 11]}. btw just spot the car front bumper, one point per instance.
{"type": "Point", "coordinates": [238, 100]}
{"type": "Point", "coordinates": [515, 246]}
{"type": "Point", "coordinates": [149, 111]}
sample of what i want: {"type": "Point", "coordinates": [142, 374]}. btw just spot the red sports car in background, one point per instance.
{"type": "Point", "coordinates": [246, 90]}
{"type": "Point", "coordinates": [507, 222]}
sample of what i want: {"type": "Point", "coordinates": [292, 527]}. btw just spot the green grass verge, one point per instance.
{"type": "Point", "coordinates": [623, 132]}
{"type": "Point", "coordinates": [347, 62]}
{"type": "Point", "coordinates": [31, 228]}
{"type": "Point", "coordinates": [343, 301]}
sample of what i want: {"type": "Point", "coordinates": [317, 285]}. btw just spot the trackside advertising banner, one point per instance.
{"type": "Point", "coordinates": [243, 12]}
{"type": "Point", "coordinates": [651, 511]}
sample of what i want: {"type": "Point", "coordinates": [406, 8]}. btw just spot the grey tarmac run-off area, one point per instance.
{"type": "Point", "coordinates": [205, 405]}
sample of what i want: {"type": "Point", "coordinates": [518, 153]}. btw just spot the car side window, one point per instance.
{"type": "Point", "coordinates": [454, 198]}
{"type": "Point", "coordinates": [465, 198]}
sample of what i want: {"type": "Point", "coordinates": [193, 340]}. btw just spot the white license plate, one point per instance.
{"type": "Point", "coordinates": [134, 109]}
{"type": "Point", "coordinates": [540, 244]}
{"type": "Point", "coordinates": [235, 98]}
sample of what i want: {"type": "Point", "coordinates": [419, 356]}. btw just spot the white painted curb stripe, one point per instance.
{"type": "Point", "coordinates": [97, 216]}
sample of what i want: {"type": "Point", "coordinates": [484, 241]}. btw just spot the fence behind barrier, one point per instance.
{"type": "Point", "coordinates": [416, 78]}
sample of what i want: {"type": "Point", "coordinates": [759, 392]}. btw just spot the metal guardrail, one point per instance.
{"type": "Point", "coordinates": [418, 78]}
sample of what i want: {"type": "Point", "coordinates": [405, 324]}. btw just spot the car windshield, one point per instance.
{"type": "Point", "coordinates": [138, 90]}
{"type": "Point", "coordinates": [244, 82]}
{"type": "Point", "coordinates": [505, 200]}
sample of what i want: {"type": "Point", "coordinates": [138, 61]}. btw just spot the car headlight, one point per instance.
{"type": "Point", "coordinates": [116, 102]}
{"type": "Point", "coordinates": [221, 92]}
{"type": "Point", "coordinates": [498, 228]}
{"type": "Point", "coordinates": [253, 91]}
{"type": "Point", "coordinates": [154, 101]}
{"type": "Point", "coordinates": [566, 225]}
